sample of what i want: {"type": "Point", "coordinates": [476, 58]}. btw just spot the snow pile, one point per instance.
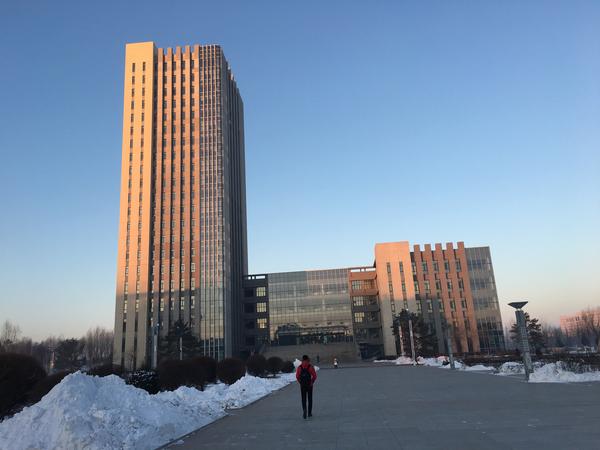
{"type": "Point", "coordinates": [433, 362]}
{"type": "Point", "coordinates": [548, 373]}
{"type": "Point", "coordinates": [249, 389]}
{"type": "Point", "coordinates": [557, 373]}
{"type": "Point", "coordinates": [479, 368]}
{"type": "Point", "coordinates": [104, 413]}
{"type": "Point", "coordinates": [542, 373]}
{"type": "Point", "coordinates": [400, 361]}
{"type": "Point", "coordinates": [457, 365]}
{"type": "Point", "coordinates": [511, 368]}
{"type": "Point", "coordinates": [441, 362]}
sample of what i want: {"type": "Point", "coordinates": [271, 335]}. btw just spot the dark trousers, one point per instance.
{"type": "Point", "coordinates": [306, 391]}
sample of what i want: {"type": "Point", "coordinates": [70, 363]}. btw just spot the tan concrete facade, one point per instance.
{"type": "Point", "coordinates": [442, 276]}
{"type": "Point", "coordinates": [182, 229]}
{"type": "Point", "coordinates": [396, 290]}
{"type": "Point", "coordinates": [433, 282]}
{"type": "Point", "coordinates": [134, 225]}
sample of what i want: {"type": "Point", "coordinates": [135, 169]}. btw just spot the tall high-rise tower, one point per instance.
{"type": "Point", "coordinates": [182, 232]}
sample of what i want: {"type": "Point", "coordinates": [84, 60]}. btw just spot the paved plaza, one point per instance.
{"type": "Point", "coordinates": [405, 407]}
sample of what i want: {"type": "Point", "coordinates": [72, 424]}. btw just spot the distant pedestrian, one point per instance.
{"type": "Point", "coordinates": [335, 363]}
{"type": "Point", "coordinates": [318, 359]}
{"type": "Point", "coordinates": [306, 377]}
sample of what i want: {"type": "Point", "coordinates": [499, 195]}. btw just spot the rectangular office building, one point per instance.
{"type": "Point", "coordinates": [451, 287]}
{"type": "Point", "coordinates": [182, 231]}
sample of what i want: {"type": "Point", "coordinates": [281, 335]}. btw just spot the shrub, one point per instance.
{"type": "Point", "coordinates": [230, 370]}
{"type": "Point", "coordinates": [18, 374]}
{"type": "Point", "coordinates": [287, 367]}
{"type": "Point", "coordinates": [209, 366]}
{"type": "Point", "coordinates": [256, 365]}
{"type": "Point", "coordinates": [274, 365]}
{"type": "Point", "coordinates": [144, 379]}
{"type": "Point", "coordinates": [172, 374]}
{"type": "Point", "coordinates": [45, 385]}
{"type": "Point", "coordinates": [105, 370]}
{"type": "Point", "coordinates": [196, 373]}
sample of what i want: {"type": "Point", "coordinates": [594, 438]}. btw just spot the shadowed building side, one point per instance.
{"type": "Point", "coordinates": [485, 300]}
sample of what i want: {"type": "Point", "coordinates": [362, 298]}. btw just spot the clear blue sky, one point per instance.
{"type": "Point", "coordinates": [473, 121]}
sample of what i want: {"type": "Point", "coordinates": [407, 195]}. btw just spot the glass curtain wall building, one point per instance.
{"type": "Point", "coordinates": [485, 299]}
{"type": "Point", "coordinates": [309, 307]}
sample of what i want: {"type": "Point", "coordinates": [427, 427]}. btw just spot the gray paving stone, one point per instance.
{"type": "Point", "coordinates": [416, 408]}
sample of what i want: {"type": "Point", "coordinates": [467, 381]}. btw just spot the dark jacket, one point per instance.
{"type": "Point", "coordinates": [311, 370]}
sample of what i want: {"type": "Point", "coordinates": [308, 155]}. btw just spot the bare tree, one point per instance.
{"type": "Point", "coordinates": [553, 336]}
{"type": "Point", "coordinates": [508, 342]}
{"type": "Point", "coordinates": [591, 326]}
{"type": "Point", "coordinates": [68, 354]}
{"type": "Point", "coordinates": [9, 334]}
{"type": "Point", "coordinates": [22, 346]}
{"type": "Point", "coordinates": [98, 346]}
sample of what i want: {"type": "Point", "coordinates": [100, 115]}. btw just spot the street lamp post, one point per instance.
{"type": "Point", "coordinates": [448, 344]}
{"type": "Point", "coordinates": [412, 342]}
{"type": "Point", "coordinates": [401, 338]}
{"type": "Point", "coordinates": [155, 330]}
{"type": "Point", "coordinates": [523, 339]}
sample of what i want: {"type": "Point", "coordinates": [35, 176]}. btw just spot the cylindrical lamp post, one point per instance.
{"type": "Point", "coordinates": [523, 339]}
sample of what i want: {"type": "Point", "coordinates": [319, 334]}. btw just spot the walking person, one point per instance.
{"type": "Point", "coordinates": [335, 363]}
{"type": "Point", "coordinates": [306, 377]}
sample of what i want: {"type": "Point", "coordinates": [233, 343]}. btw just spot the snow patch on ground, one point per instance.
{"type": "Point", "coordinates": [557, 373]}
{"type": "Point", "coordinates": [511, 368]}
{"type": "Point", "coordinates": [543, 373]}
{"type": "Point", "coordinates": [479, 368]}
{"type": "Point", "coordinates": [96, 413]}
{"type": "Point", "coordinates": [432, 362]}
{"type": "Point", "coordinates": [441, 361]}
{"type": "Point", "coordinates": [400, 361]}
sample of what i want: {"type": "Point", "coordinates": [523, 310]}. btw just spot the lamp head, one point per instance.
{"type": "Point", "coordinates": [517, 305]}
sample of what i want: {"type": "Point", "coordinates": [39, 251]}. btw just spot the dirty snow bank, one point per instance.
{"type": "Point", "coordinates": [543, 373]}
{"type": "Point", "coordinates": [400, 361]}
{"type": "Point", "coordinates": [558, 373]}
{"type": "Point", "coordinates": [96, 413]}
{"type": "Point", "coordinates": [511, 368]}
{"type": "Point", "coordinates": [441, 361]}
{"type": "Point", "coordinates": [479, 368]}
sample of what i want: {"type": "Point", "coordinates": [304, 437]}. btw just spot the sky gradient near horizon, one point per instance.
{"type": "Point", "coordinates": [420, 121]}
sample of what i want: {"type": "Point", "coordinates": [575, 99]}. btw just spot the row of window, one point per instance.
{"type": "Point", "coordinates": [251, 308]}
{"type": "Point", "coordinates": [364, 300]}
{"type": "Point", "coordinates": [358, 285]}
{"type": "Point", "coordinates": [362, 317]}
{"type": "Point", "coordinates": [425, 266]}
{"type": "Point", "coordinates": [260, 291]}
{"type": "Point", "coordinates": [260, 323]}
